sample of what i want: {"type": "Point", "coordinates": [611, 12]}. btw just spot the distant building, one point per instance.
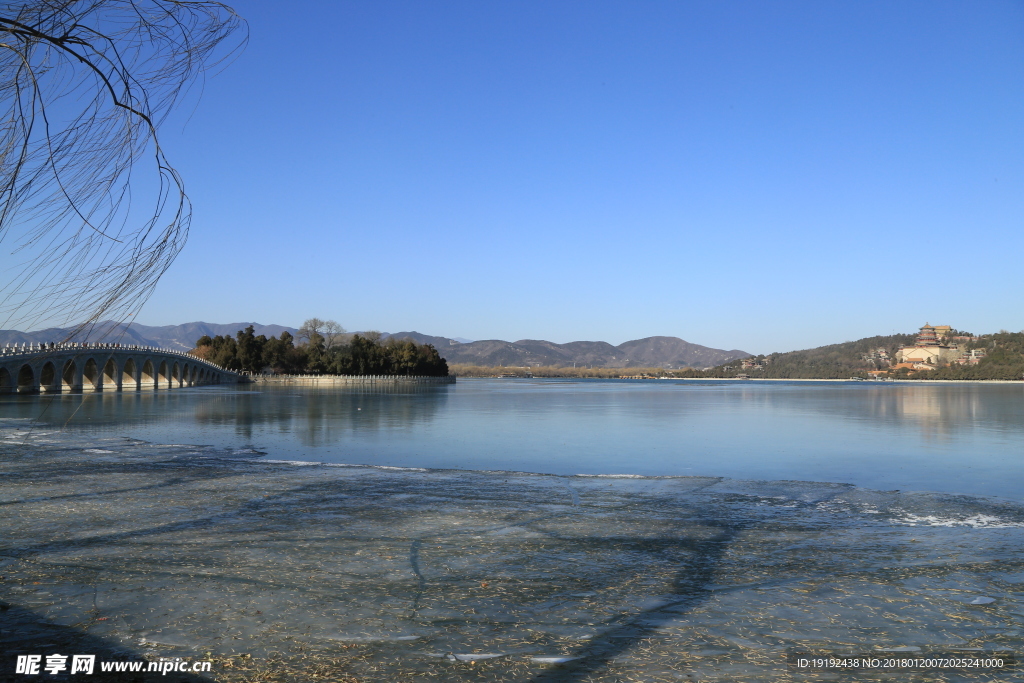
{"type": "Point", "coordinates": [914, 366]}
{"type": "Point", "coordinates": [879, 356]}
{"type": "Point", "coordinates": [972, 358]}
{"type": "Point", "coordinates": [927, 336]}
{"type": "Point", "coordinates": [929, 350]}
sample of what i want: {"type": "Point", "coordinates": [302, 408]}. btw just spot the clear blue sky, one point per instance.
{"type": "Point", "coordinates": [755, 175]}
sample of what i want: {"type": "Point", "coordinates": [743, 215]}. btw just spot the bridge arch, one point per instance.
{"type": "Point", "coordinates": [48, 380]}
{"type": "Point", "coordinates": [67, 376]}
{"type": "Point", "coordinates": [103, 367]}
{"type": "Point", "coordinates": [148, 375]}
{"type": "Point", "coordinates": [91, 376]}
{"type": "Point", "coordinates": [130, 375]}
{"type": "Point", "coordinates": [26, 379]}
{"type": "Point", "coordinates": [110, 374]}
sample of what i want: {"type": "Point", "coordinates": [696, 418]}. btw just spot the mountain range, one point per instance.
{"type": "Point", "coordinates": [666, 352]}
{"type": "Point", "coordinates": [663, 352]}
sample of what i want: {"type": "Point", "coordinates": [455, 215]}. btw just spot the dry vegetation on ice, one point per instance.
{"type": "Point", "coordinates": [281, 572]}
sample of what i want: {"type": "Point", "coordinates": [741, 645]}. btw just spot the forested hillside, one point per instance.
{"type": "Point", "coordinates": [835, 361]}
{"type": "Point", "coordinates": [1004, 361]}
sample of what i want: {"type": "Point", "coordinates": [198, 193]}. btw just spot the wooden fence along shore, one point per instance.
{"type": "Point", "coordinates": [327, 380]}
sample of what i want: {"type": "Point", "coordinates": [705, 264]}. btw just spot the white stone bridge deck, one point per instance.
{"type": "Point", "coordinates": [72, 367]}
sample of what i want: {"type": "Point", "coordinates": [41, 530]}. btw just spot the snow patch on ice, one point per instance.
{"type": "Point", "coordinates": [553, 660]}
{"type": "Point", "coordinates": [975, 521]}
{"type": "Point", "coordinates": [308, 463]}
{"type": "Point", "coordinates": [377, 638]}
{"type": "Point", "coordinates": [614, 476]}
{"type": "Point", "coordinates": [377, 467]}
{"type": "Point", "coordinates": [391, 467]}
{"type": "Point", "coordinates": [473, 657]}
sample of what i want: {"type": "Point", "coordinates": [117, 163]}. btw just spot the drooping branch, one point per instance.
{"type": "Point", "coordinates": [84, 86]}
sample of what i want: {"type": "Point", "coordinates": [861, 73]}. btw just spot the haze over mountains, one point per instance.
{"type": "Point", "coordinates": [666, 352]}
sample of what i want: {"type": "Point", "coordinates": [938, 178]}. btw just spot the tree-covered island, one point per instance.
{"type": "Point", "coordinates": [322, 348]}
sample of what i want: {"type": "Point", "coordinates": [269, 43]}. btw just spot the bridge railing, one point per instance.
{"type": "Point", "coordinates": [39, 348]}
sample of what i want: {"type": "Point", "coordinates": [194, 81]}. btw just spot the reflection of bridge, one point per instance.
{"type": "Point", "coordinates": [55, 368]}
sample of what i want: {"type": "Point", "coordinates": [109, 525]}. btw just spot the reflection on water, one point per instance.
{"type": "Point", "coordinates": [316, 417]}
{"type": "Point", "coordinates": [939, 414]}
{"type": "Point", "coordinates": [322, 417]}
{"type": "Point", "coordinates": [963, 438]}
{"type": "Point", "coordinates": [937, 411]}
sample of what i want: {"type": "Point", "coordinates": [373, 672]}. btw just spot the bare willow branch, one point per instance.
{"type": "Point", "coordinates": [91, 211]}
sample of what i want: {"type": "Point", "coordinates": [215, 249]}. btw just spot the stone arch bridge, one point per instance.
{"type": "Point", "coordinates": [74, 367]}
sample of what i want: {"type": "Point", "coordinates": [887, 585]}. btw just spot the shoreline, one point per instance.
{"type": "Point", "coordinates": [866, 381]}
{"type": "Point", "coordinates": [772, 379]}
{"type": "Point", "coordinates": [282, 570]}
{"type": "Point", "coordinates": [346, 379]}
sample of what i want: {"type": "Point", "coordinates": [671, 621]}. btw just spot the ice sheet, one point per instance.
{"type": "Point", "coordinates": [288, 571]}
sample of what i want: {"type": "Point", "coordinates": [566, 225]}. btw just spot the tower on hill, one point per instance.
{"type": "Point", "coordinates": [927, 336]}
{"type": "Point", "coordinates": [929, 349]}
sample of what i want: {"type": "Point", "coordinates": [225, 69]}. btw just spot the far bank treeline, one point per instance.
{"type": "Point", "coordinates": [322, 348]}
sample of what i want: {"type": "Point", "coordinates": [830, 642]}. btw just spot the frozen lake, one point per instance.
{"type": "Point", "coordinates": [123, 540]}
{"type": "Point", "coordinates": [954, 438]}
{"type": "Point", "coordinates": [140, 551]}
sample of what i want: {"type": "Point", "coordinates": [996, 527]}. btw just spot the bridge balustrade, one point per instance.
{"type": "Point", "coordinates": [61, 367]}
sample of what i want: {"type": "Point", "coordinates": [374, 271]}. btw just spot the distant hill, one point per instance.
{"type": "Point", "coordinates": [667, 352]}
{"type": "Point", "coordinates": [1004, 360]}
{"type": "Point", "coordinates": [835, 361]}
{"type": "Point", "coordinates": [439, 343]}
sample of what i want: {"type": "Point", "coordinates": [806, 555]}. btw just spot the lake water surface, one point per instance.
{"type": "Point", "coordinates": [957, 438]}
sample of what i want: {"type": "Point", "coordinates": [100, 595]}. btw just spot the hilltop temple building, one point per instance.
{"type": "Point", "coordinates": [930, 348]}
